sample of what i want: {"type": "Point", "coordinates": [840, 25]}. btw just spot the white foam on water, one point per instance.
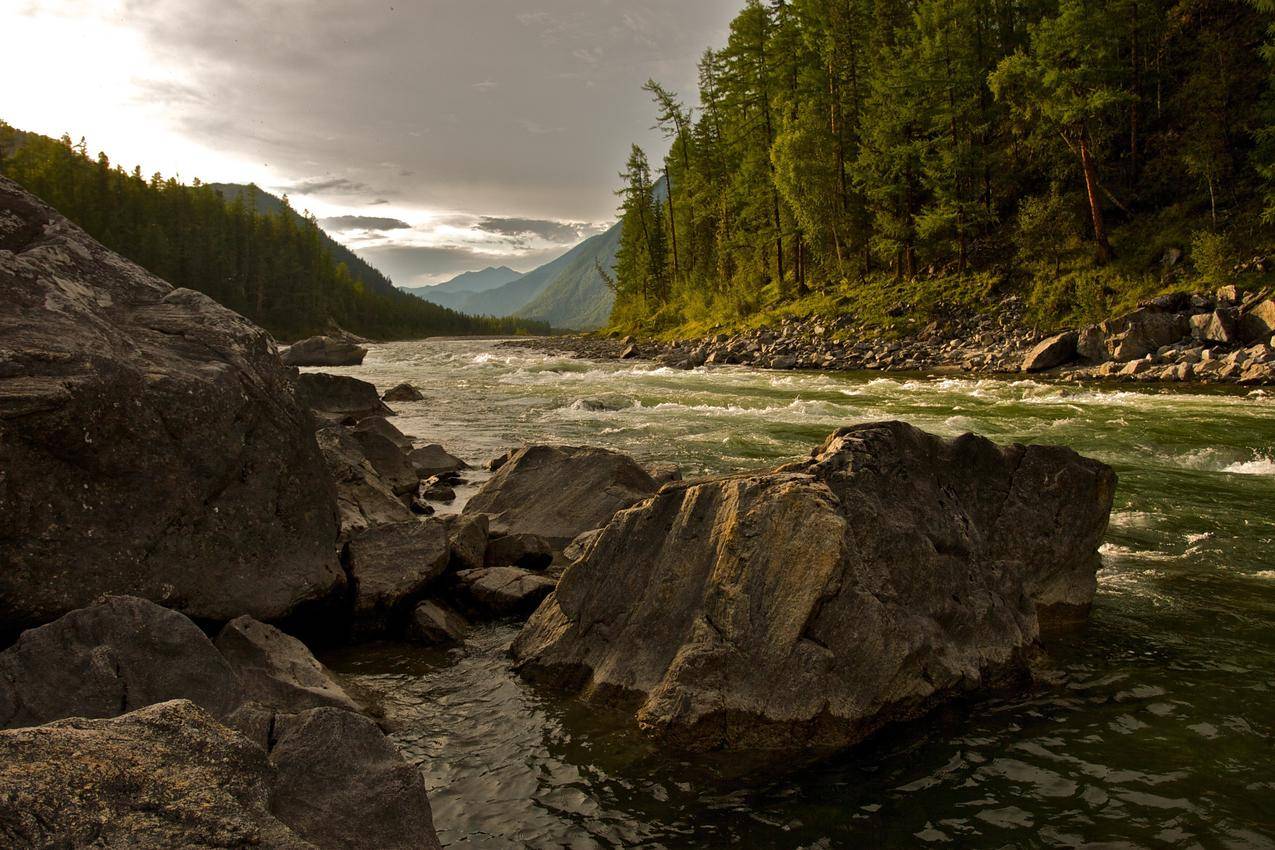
{"type": "Point", "coordinates": [1132, 519]}
{"type": "Point", "coordinates": [1267, 575]}
{"type": "Point", "coordinates": [1260, 465]}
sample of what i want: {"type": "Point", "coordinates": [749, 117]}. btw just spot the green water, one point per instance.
{"type": "Point", "coordinates": [1154, 727]}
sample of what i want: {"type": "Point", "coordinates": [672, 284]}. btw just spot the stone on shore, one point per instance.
{"type": "Point", "coordinates": [390, 462]}
{"type": "Point", "coordinates": [433, 460]}
{"type": "Point", "coordinates": [403, 392]}
{"type": "Point", "coordinates": [560, 492]}
{"type": "Point", "coordinates": [433, 623]}
{"type": "Point", "coordinates": [1258, 323]}
{"type": "Point", "coordinates": [467, 536]}
{"type": "Point", "coordinates": [338, 398]}
{"type": "Point", "coordinates": [1220, 326]}
{"type": "Point", "coordinates": [1133, 335]}
{"type": "Point", "coordinates": [392, 566]}
{"type": "Point", "coordinates": [277, 670]}
{"type": "Point", "coordinates": [340, 783]}
{"type": "Point", "coordinates": [323, 351]}
{"type": "Point", "coordinates": [806, 608]}
{"type": "Point", "coordinates": [363, 499]}
{"type": "Point", "coordinates": [119, 655]}
{"type": "Point", "coordinates": [152, 442]}
{"type": "Point", "coordinates": [529, 551]}
{"type": "Point", "coordinates": [503, 591]}
{"type": "Point", "coordinates": [162, 777]}
{"type": "Point", "coordinates": [381, 425]}
{"type": "Point", "coordinates": [1056, 351]}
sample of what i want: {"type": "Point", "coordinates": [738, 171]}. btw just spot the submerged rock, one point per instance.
{"type": "Point", "coordinates": [165, 776]}
{"type": "Point", "coordinates": [150, 441]}
{"type": "Point", "coordinates": [323, 351]}
{"type": "Point", "coordinates": [560, 492]}
{"type": "Point", "coordinates": [434, 623]}
{"type": "Point", "coordinates": [808, 607]}
{"type": "Point", "coordinates": [433, 460]}
{"type": "Point", "coordinates": [403, 392]}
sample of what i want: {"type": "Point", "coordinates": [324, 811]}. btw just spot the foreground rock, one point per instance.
{"type": "Point", "coordinates": [277, 671]}
{"type": "Point", "coordinates": [152, 444]}
{"type": "Point", "coordinates": [117, 656]}
{"type": "Point", "coordinates": [502, 591]}
{"type": "Point", "coordinates": [806, 608]}
{"type": "Point", "coordinates": [338, 398]}
{"type": "Point", "coordinates": [560, 492]}
{"type": "Point", "coordinates": [392, 566]}
{"type": "Point", "coordinates": [364, 499]}
{"type": "Point", "coordinates": [435, 623]}
{"type": "Point", "coordinates": [340, 783]}
{"type": "Point", "coordinates": [166, 776]}
{"type": "Point", "coordinates": [323, 351]}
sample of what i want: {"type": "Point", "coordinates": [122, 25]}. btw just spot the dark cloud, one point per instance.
{"type": "Point", "coordinates": [409, 265]}
{"type": "Point", "coordinates": [463, 105]}
{"type": "Point", "coordinates": [562, 232]}
{"type": "Point", "coordinates": [363, 222]}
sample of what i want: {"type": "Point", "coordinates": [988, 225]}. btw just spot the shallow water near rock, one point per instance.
{"type": "Point", "coordinates": [1152, 727]}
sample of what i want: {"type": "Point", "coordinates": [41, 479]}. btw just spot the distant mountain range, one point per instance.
{"type": "Point", "coordinates": [567, 292]}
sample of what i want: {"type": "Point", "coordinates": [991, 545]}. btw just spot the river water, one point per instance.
{"type": "Point", "coordinates": [1153, 727]}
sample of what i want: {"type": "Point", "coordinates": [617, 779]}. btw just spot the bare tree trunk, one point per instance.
{"type": "Point", "coordinates": [1095, 205]}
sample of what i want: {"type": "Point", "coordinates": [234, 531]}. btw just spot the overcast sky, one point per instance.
{"type": "Point", "coordinates": [434, 136]}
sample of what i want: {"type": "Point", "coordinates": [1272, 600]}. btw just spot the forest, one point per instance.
{"type": "Point", "coordinates": [899, 159]}
{"type": "Point", "coordinates": [275, 268]}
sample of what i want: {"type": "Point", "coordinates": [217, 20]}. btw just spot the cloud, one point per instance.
{"type": "Point", "coordinates": [561, 232]}
{"type": "Point", "coordinates": [485, 86]}
{"type": "Point", "coordinates": [327, 185]}
{"type": "Point", "coordinates": [363, 222]}
{"type": "Point", "coordinates": [537, 129]}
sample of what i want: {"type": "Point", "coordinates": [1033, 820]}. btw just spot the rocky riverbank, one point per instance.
{"type": "Point", "coordinates": [1221, 337]}
{"type": "Point", "coordinates": [183, 513]}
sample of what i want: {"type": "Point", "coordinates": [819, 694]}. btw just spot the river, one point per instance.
{"type": "Point", "coordinates": [1153, 727]}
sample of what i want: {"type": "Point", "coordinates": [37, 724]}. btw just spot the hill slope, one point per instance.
{"type": "Point", "coordinates": [578, 297]}
{"type": "Point", "coordinates": [274, 268]}
{"type": "Point", "coordinates": [454, 293]}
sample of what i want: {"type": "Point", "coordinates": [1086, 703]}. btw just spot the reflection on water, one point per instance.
{"type": "Point", "coordinates": [1152, 728]}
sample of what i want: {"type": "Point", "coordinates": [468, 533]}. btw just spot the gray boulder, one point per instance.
{"type": "Point", "coordinates": [560, 492]}
{"type": "Point", "coordinates": [392, 566]}
{"type": "Point", "coordinates": [467, 536]}
{"type": "Point", "coordinates": [434, 623]}
{"type": "Point", "coordinates": [340, 783]}
{"type": "Point", "coordinates": [1258, 323]}
{"type": "Point", "coordinates": [806, 608]}
{"type": "Point", "coordinates": [323, 351]}
{"type": "Point", "coordinates": [381, 425]}
{"type": "Point", "coordinates": [502, 591]}
{"type": "Point", "coordinates": [390, 462]}
{"type": "Point", "coordinates": [166, 776]}
{"type": "Point", "coordinates": [1219, 326]}
{"type": "Point", "coordinates": [403, 392]}
{"type": "Point", "coordinates": [339, 398]}
{"type": "Point", "coordinates": [277, 671]}
{"type": "Point", "coordinates": [529, 551]}
{"type": "Point", "coordinates": [1056, 351]}
{"type": "Point", "coordinates": [363, 499]}
{"type": "Point", "coordinates": [1133, 335]}
{"type": "Point", "coordinates": [119, 655]}
{"type": "Point", "coordinates": [150, 441]}
{"type": "Point", "coordinates": [433, 460]}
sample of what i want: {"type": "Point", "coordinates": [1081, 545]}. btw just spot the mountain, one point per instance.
{"type": "Point", "coordinates": [267, 204]}
{"type": "Point", "coordinates": [454, 293]}
{"type": "Point", "coordinates": [578, 297]}
{"type": "Point", "coordinates": [567, 292]}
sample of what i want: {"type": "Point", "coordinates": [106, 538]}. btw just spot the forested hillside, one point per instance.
{"type": "Point", "coordinates": [897, 159]}
{"type": "Point", "coordinates": [273, 268]}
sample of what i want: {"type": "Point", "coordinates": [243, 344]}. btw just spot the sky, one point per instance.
{"type": "Point", "coordinates": [432, 136]}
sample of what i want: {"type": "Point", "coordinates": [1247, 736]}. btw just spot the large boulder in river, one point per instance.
{"type": "Point", "coordinates": [150, 441]}
{"type": "Point", "coordinates": [323, 351]}
{"type": "Point", "coordinates": [277, 670]}
{"type": "Point", "coordinates": [162, 777]}
{"type": "Point", "coordinates": [806, 608]}
{"type": "Point", "coordinates": [340, 783]}
{"type": "Point", "coordinates": [560, 492]}
{"type": "Point", "coordinates": [119, 655]}
{"type": "Point", "coordinates": [433, 459]}
{"type": "Point", "coordinates": [392, 566]}
{"type": "Point", "coordinates": [338, 398]}
{"type": "Point", "coordinates": [363, 499]}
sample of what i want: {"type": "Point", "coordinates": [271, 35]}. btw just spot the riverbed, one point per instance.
{"type": "Point", "coordinates": [1153, 727]}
